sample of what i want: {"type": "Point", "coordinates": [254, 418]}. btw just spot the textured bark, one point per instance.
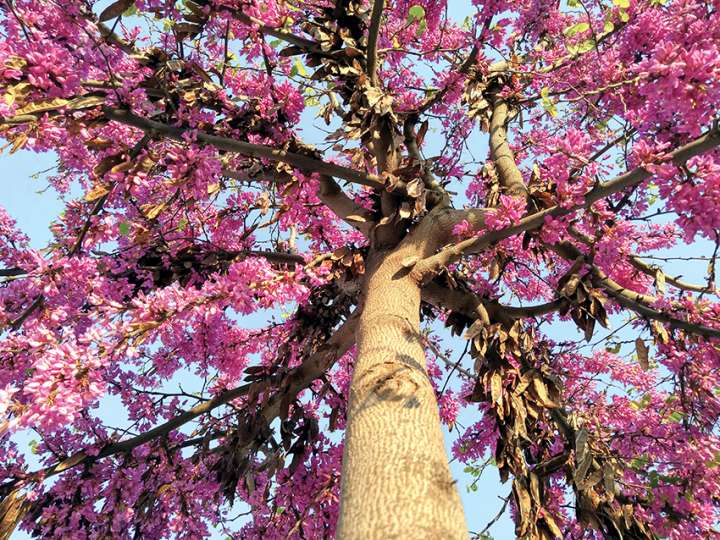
{"type": "Point", "coordinates": [509, 175]}
{"type": "Point", "coordinates": [396, 482]}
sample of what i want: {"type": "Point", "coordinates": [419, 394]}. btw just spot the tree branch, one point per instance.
{"type": "Point", "coordinates": [373, 32]}
{"type": "Point", "coordinates": [411, 143]}
{"type": "Point", "coordinates": [648, 269]}
{"type": "Point", "coordinates": [626, 299]}
{"type": "Point", "coordinates": [133, 154]}
{"type": "Point", "coordinates": [329, 193]}
{"type": "Point", "coordinates": [307, 44]}
{"type": "Point", "coordinates": [297, 379]}
{"type": "Point", "coordinates": [425, 269]}
{"type": "Point", "coordinates": [509, 174]}
{"type": "Point", "coordinates": [12, 272]}
{"type": "Point", "coordinates": [344, 207]}
{"type": "Point", "coordinates": [652, 270]}
{"type": "Point", "coordinates": [109, 36]}
{"type": "Point", "coordinates": [276, 256]}
{"type": "Point", "coordinates": [304, 163]}
{"type": "Point", "coordinates": [37, 303]}
{"type": "Point", "coordinates": [467, 303]}
{"type": "Point", "coordinates": [630, 299]}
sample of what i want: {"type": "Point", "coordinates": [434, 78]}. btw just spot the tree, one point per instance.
{"type": "Point", "coordinates": [507, 177]}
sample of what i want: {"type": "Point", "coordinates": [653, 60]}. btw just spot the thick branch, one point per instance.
{"type": "Point", "coordinates": [509, 174]}
{"type": "Point", "coordinates": [625, 299]}
{"type": "Point", "coordinates": [344, 207]}
{"type": "Point", "coordinates": [12, 272]}
{"type": "Point", "coordinates": [373, 33]}
{"type": "Point", "coordinates": [304, 163]}
{"type": "Point", "coordinates": [427, 268]}
{"type": "Point", "coordinates": [330, 194]}
{"type": "Point", "coordinates": [467, 303]}
{"type": "Point", "coordinates": [277, 257]}
{"type": "Point", "coordinates": [411, 143]}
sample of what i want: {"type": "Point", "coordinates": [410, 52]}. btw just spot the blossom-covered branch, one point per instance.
{"type": "Point", "coordinates": [427, 268]}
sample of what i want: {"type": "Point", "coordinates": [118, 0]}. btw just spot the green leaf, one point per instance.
{"type": "Point", "coordinates": [124, 228]}
{"type": "Point", "coordinates": [654, 478]}
{"type": "Point", "coordinates": [653, 193]}
{"type": "Point", "coordinates": [421, 28]}
{"type": "Point", "coordinates": [669, 479]}
{"type": "Point", "coordinates": [609, 27]}
{"type": "Point", "coordinates": [576, 29]}
{"type": "Point", "coordinates": [416, 13]}
{"type": "Point", "coordinates": [641, 404]}
{"type": "Point", "coordinates": [676, 416]}
{"type": "Point", "coordinates": [624, 4]}
{"type": "Point", "coordinates": [298, 69]}
{"type": "Point", "coordinates": [547, 103]}
{"type": "Point", "coordinates": [129, 12]}
{"type": "Point", "coordinates": [586, 45]}
{"type": "Point", "coordinates": [624, 17]}
{"type": "Point", "coordinates": [573, 3]}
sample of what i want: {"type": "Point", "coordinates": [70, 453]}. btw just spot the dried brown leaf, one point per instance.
{"type": "Point", "coordinates": [660, 281]}
{"type": "Point", "coordinates": [98, 191]}
{"type": "Point", "coordinates": [116, 9]}
{"type": "Point", "coordinates": [187, 30]}
{"type": "Point", "coordinates": [583, 456]}
{"type": "Point", "coordinates": [415, 188]}
{"type": "Point", "coordinates": [356, 218]}
{"type": "Point", "coordinates": [42, 106]}
{"type": "Point", "coordinates": [642, 353]}
{"type": "Point", "coordinates": [541, 391]}
{"type": "Point", "coordinates": [496, 387]}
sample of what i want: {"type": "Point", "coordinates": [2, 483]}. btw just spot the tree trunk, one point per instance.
{"type": "Point", "coordinates": [396, 481]}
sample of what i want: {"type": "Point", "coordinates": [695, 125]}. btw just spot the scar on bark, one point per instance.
{"type": "Point", "coordinates": [393, 381]}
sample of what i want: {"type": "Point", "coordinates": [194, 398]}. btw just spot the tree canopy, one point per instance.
{"type": "Point", "coordinates": [277, 215]}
